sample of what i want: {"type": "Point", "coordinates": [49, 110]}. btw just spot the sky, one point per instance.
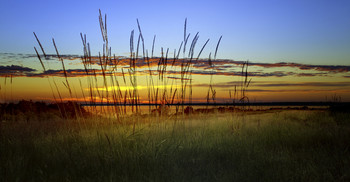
{"type": "Point", "coordinates": [310, 39]}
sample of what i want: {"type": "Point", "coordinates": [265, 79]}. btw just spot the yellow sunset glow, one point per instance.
{"type": "Point", "coordinates": [138, 87]}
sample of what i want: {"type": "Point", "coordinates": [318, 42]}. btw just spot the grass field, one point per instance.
{"type": "Point", "coordinates": [275, 146]}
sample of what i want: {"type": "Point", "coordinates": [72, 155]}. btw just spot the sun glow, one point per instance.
{"type": "Point", "coordinates": [138, 87]}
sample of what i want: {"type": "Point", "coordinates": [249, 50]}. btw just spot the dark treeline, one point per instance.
{"type": "Point", "coordinates": [64, 110]}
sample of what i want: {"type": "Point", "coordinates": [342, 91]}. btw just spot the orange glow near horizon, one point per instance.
{"type": "Point", "coordinates": [38, 89]}
{"type": "Point", "coordinates": [270, 82]}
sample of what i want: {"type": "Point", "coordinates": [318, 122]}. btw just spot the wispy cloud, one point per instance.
{"type": "Point", "coordinates": [329, 68]}
{"type": "Point", "coordinates": [224, 67]}
{"type": "Point", "coordinates": [177, 78]}
{"type": "Point", "coordinates": [250, 74]}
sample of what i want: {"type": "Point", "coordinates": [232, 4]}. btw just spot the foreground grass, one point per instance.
{"type": "Point", "coordinates": [285, 146]}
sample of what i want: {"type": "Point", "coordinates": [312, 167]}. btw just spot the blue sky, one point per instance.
{"type": "Point", "coordinates": [310, 32]}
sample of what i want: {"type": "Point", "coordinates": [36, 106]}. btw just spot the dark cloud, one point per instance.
{"type": "Point", "coordinates": [311, 74]}
{"type": "Point", "coordinates": [328, 68]}
{"type": "Point", "coordinates": [223, 85]}
{"type": "Point", "coordinates": [250, 74]}
{"type": "Point", "coordinates": [287, 87]}
{"type": "Point", "coordinates": [48, 56]}
{"type": "Point", "coordinates": [72, 73]}
{"type": "Point", "coordinates": [15, 70]}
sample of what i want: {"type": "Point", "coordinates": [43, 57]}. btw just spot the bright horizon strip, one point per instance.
{"type": "Point", "coordinates": [138, 87]}
{"type": "Point", "coordinates": [270, 82]}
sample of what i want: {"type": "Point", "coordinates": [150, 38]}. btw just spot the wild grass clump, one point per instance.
{"type": "Point", "coordinates": [105, 76]}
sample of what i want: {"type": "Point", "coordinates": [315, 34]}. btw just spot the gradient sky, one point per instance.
{"type": "Point", "coordinates": [312, 32]}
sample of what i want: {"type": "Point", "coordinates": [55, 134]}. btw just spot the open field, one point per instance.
{"type": "Point", "coordinates": [267, 146]}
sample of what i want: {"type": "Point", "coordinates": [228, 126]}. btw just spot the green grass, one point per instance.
{"type": "Point", "coordinates": [284, 146]}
